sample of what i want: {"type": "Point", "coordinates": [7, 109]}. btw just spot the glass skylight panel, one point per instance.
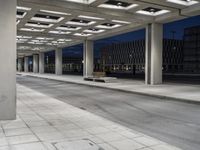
{"type": "Point", "coordinates": [90, 17]}
{"type": "Point", "coordinates": [17, 22]}
{"type": "Point", "coordinates": [82, 34]}
{"type": "Point", "coordinates": [108, 26]}
{"type": "Point", "coordinates": [37, 43]}
{"type": "Point", "coordinates": [59, 32]}
{"type": "Point", "coordinates": [32, 29]}
{"type": "Point", "coordinates": [120, 21]}
{"type": "Point", "coordinates": [68, 28]}
{"type": "Point", "coordinates": [47, 18]}
{"type": "Point", "coordinates": [23, 47]}
{"type": "Point", "coordinates": [93, 30]}
{"type": "Point", "coordinates": [24, 37]}
{"type": "Point", "coordinates": [150, 11]}
{"type": "Point", "coordinates": [55, 12]}
{"type": "Point", "coordinates": [183, 2]}
{"type": "Point", "coordinates": [38, 25]}
{"type": "Point", "coordinates": [23, 8]}
{"type": "Point", "coordinates": [80, 22]}
{"type": "Point", "coordinates": [110, 4]}
{"type": "Point", "coordinates": [82, 1]}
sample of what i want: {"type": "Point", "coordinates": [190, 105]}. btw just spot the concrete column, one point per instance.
{"type": "Point", "coordinates": [7, 59]}
{"type": "Point", "coordinates": [41, 63]}
{"type": "Point", "coordinates": [35, 63]}
{"type": "Point", "coordinates": [88, 58]}
{"type": "Point", "coordinates": [25, 64]}
{"type": "Point", "coordinates": [153, 56]}
{"type": "Point", "coordinates": [58, 57]}
{"type": "Point", "coordinates": [19, 64]}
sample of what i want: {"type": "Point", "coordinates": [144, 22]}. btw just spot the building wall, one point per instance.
{"type": "Point", "coordinates": [192, 50]}
{"type": "Point", "coordinates": [129, 57]}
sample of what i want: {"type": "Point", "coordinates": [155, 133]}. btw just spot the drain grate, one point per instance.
{"type": "Point", "coordinates": [84, 144]}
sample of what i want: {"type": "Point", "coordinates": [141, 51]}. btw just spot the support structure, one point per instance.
{"type": "Point", "coordinates": [19, 64]}
{"type": "Point", "coordinates": [41, 62]}
{"type": "Point", "coordinates": [88, 58]}
{"type": "Point", "coordinates": [58, 57]}
{"type": "Point", "coordinates": [26, 64]}
{"type": "Point", "coordinates": [35, 63]}
{"type": "Point", "coordinates": [8, 59]}
{"type": "Point", "coordinates": [153, 55]}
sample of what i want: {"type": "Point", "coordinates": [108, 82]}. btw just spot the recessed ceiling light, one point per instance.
{"type": "Point", "coordinates": [82, 34]}
{"type": "Point", "coordinates": [47, 18]}
{"type": "Point", "coordinates": [38, 24]}
{"type": "Point", "coordinates": [150, 11]}
{"type": "Point", "coordinates": [90, 17]}
{"type": "Point", "coordinates": [21, 14]}
{"type": "Point", "coordinates": [120, 21]}
{"type": "Point", "coordinates": [93, 30]}
{"type": "Point", "coordinates": [59, 32]}
{"type": "Point", "coordinates": [108, 26]}
{"type": "Point", "coordinates": [184, 2]}
{"type": "Point", "coordinates": [55, 12]}
{"type": "Point", "coordinates": [23, 8]}
{"type": "Point", "coordinates": [68, 28]}
{"type": "Point", "coordinates": [80, 22]}
{"type": "Point", "coordinates": [82, 1]}
{"type": "Point", "coordinates": [111, 4]}
{"type": "Point", "coordinates": [32, 29]}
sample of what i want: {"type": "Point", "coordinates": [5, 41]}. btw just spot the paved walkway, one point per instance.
{"type": "Point", "coordinates": [186, 92]}
{"type": "Point", "coordinates": [45, 123]}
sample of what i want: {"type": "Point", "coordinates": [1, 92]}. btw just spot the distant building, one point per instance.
{"type": "Point", "coordinates": [192, 50]}
{"type": "Point", "coordinates": [129, 57]}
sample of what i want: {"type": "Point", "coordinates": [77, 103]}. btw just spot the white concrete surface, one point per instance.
{"type": "Point", "coordinates": [88, 58]}
{"type": "Point", "coordinates": [45, 123]}
{"type": "Point", "coordinates": [153, 55]}
{"type": "Point", "coordinates": [58, 59]}
{"type": "Point", "coordinates": [25, 64]}
{"type": "Point", "coordinates": [41, 62]}
{"type": "Point", "coordinates": [7, 59]}
{"type": "Point", "coordinates": [35, 63]}
{"type": "Point", "coordinates": [184, 92]}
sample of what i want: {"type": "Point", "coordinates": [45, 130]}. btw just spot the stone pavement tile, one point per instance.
{"type": "Point", "coordinates": [130, 134]}
{"type": "Point", "coordinates": [37, 123]}
{"type": "Point", "coordinates": [66, 127]}
{"type": "Point", "coordinates": [111, 136]}
{"type": "Point", "coordinates": [126, 145]}
{"type": "Point", "coordinates": [106, 146]}
{"type": "Point", "coordinates": [147, 141]}
{"type": "Point", "coordinates": [22, 139]}
{"type": "Point", "coordinates": [97, 130]}
{"type": "Point", "coordinates": [75, 133]}
{"type": "Point", "coordinates": [29, 146]}
{"type": "Point", "coordinates": [42, 129]}
{"type": "Point", "coordinates": [46, 136]}
{"type": "Point", "coordinates": [58, 122]}
{"type": "Point", "coordinates": [164, 147]}
{"type": "Point", "coordinates": [14, 124]}
{"type": "Point", "coordinates": [18, 131]}
{"type": "Point", "coordinates": [3, 141]}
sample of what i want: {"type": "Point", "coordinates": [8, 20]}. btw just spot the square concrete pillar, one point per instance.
{"type": "Point", "coordinates": [41, 62]}
{"type": "Point", "coordinates": [153, 54]}
{"type": "Point", "coordinates": [58, 53]}
{"type": "Point", "coordinates": [19, 64]}
{"type": "Point", "coordinates": [26, 64]}
{"type": "Point", "coordinates": [7, 59]}
{"type": "Point", "coordinates": [88, 58]}
{"type": "Point", "coordinates": [35, 63]}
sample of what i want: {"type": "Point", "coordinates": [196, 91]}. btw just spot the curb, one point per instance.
{"type": "Point", "coordinates": [166, 98]}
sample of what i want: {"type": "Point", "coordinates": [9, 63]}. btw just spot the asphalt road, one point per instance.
{"type": "Point", "coordinates": [177, 123]}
